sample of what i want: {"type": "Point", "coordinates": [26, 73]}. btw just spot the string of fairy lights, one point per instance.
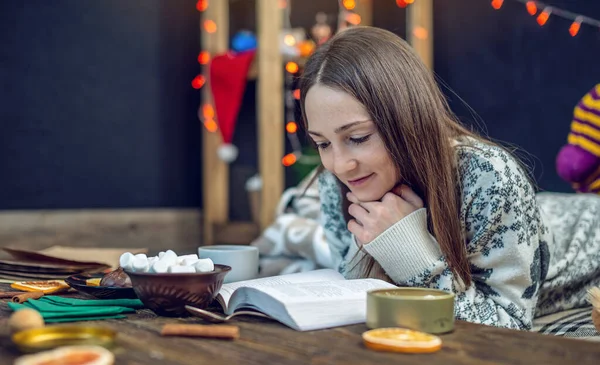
{"type": "Point", "coordinates": [348, 18]}
{"type": "Point", "coordinates": [292, 69]}
{"type": "Point", "coordinates": [543, 12]}
{"type": "Point", "coordinates": [208, 113]}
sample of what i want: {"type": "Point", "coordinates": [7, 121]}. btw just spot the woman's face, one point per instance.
{"type": "Point", "coordinates": [349, 144]}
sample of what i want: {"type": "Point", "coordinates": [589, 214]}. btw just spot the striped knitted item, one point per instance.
{"type": "Point", "coordinates": [585, 127]}
{"type": "Point", "coordinates": [590, 185]}
{"type": "Point", "coordinates": [585, 134]}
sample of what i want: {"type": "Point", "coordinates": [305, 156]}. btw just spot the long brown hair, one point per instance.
{"type": "Point", "coordinates": [382, 72]}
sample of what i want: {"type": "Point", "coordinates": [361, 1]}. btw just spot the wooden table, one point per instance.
{"type": "Point", "coordinates": [265, 342]}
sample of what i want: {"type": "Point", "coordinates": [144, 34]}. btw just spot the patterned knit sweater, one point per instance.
{"type": "Point", "coordinates": [507, 241]}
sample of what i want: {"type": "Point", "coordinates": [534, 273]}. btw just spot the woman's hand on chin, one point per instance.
{"type": "Point", "coordinates": [372, 218]}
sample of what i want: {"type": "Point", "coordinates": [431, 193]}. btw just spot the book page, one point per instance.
{"type": "Point", "coordinates": [310, 276]}
{"type": "Point", "coordinates": [326, 290]}
{"type": "Point", "coordinates": [311, 305]}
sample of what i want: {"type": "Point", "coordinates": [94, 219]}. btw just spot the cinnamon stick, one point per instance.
{"type": "Point", "coordinates": [9, 294]}
{"type": "Point", "coordinates": [29, 295]}
{"type": "Point", "coordinates": [199, 330]}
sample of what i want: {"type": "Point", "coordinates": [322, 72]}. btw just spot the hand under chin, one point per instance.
{"type": "Point", "coordinates": [366, 197]}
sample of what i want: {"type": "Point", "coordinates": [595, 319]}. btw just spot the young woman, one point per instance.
{"type": "Point", "coordinates": [411, 196]}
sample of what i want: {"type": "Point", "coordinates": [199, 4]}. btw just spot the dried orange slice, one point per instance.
{"type": "Point", "coordinates": [93, 282]}
{"type": "Point", "coordinates": [46, 286]}
{"type": "Point", "coordinates": [401, 340]}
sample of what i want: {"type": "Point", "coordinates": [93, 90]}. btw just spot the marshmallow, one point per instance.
{"type": "Point", "coordinates": [140, 264]}
{"type": "Point", "coordinates": [169, 257]}
{"type": "Point", "coordinates": [126, 261]}
{"type": "Point", "coordinates": [182, 258]}
{"type": "Point", "coordinates": [159, 267]}
{"type": "Point", "coordinates": [204, 265]}
{"type": "Point", "coordinates": [161, 254]}
{"type": "Point", "coordinates": [189, 261]}
{"type": "Point", "coordinates": [180, 269]}
{"type": "Point", "coordinates": [152, 260]}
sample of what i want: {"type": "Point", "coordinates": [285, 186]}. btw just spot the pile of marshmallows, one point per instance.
{"type": "Point", "coordinates": [165, 262]}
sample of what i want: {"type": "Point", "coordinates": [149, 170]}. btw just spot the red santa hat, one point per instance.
{"type": "Point", "coordinates": [228, 78]}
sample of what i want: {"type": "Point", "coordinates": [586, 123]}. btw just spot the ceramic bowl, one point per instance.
{"type": "Point", "coordinates": [168, 294]}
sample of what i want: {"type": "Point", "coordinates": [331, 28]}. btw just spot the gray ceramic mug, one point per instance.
{"type": "Point", "coordinates": [242, 259]}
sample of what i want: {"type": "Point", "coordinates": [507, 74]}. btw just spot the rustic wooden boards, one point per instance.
{"type": "Point", "coordinates": [267, 342]}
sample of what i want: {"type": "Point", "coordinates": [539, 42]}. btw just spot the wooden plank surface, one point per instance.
{"type": "Point", "coordinates": [270, 108]}
{"type": "Point", "coordinates": [215, 172]}
{"type": "Point", "coordinates": [419, 29]}
{"type": "Point", "coordinates": [236, 233]}
{"type": "Point", "coordinates": [268, 342]}
{"type": "Point", "coordinates": [154, 229]}
{"type": "Point", "coordinates": [364, 8]}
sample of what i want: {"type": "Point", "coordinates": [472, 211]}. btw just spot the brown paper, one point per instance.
{"type": "Point", "coordinates": [108, 256]}
{"type": "Point", "coordinates": [76, 255]}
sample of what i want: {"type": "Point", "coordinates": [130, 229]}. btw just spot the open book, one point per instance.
{"type": "Point", "coordinates": [304, 301]}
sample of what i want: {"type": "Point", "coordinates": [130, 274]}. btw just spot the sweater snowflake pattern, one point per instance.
{"type": "Point", "coordinates": [507, 241]}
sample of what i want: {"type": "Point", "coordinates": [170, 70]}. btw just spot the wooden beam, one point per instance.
{"type": "Point", "coordinates": [364, 8]}
{"type": "Point", "coordinates": [419, 29]}
{"type": "Point", "coordinates": [270, 108]}
{"type": "Point", "coordinates": [236, 233]}
{"type": "Point", "coordinates": [215, 175]}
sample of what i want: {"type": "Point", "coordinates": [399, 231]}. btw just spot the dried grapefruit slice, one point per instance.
{"type": "Point", "coordinates": [401, 340]}
{"type": "Point", "coordinates": [70, 355]}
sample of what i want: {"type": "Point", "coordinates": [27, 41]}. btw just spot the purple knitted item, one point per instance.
{"type": "Point", "coordinates": [579, 161]}
{"type": "Point", "coordinates": [574, 164]}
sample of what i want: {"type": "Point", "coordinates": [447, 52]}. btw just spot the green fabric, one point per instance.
{"type": "Point", "coordinates": [80, 319]}
{"type": "Point", "coordinates": [130, 303]}
{"type": "Point", "coordinates": [60, 309]}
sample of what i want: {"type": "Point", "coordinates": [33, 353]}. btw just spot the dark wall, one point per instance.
{"type": "Point", "coordinates": [96, 108]}
{"type": "Point", "coordinates": [522, 80]}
